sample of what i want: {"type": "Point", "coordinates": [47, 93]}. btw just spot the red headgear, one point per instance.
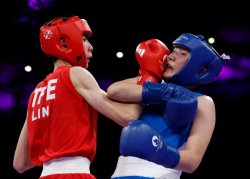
{"type": "Point", "coordinates": [62, 38]}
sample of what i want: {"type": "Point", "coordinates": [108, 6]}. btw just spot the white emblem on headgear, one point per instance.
{"type": "Point", "coordinates": [47, 34]}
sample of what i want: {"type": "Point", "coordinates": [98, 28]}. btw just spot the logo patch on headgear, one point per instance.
{"type": "Point", "coordinates": [47, 34]}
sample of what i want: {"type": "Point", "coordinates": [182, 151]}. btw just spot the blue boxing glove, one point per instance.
{"type": "Point", "coordinates": [181, 103]}
{"type": "Point", "coordinates": [180, 112]}
{"type": "Point", "coordinates": [139, 140]}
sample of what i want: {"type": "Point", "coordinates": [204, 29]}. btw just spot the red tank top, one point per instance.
{"type": "Point", "coordinates": [60, 122]}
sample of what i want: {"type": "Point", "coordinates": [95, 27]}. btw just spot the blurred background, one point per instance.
{"type": "Point", "coordinates": [119, 26]}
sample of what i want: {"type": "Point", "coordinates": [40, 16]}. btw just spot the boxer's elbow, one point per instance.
{"type": "Point", "coordinates": [127, 118]}
{"type": "Point", "coordinates": [132, 114]}
{"type": "Point", "coordinates": [191, 164]}
{"type": "Point", "coordinates": [22, 165]}
{"type": "Point", "coordinates": [20, 168]}
{"type": "Point", "coordinates": [112, 92]}
{"type": "Point", "coordinates": [191, 168]}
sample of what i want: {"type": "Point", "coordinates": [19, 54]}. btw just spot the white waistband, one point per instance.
{"type": "Point", "coordinates": [76, 164]}
{"type": "Point", "coordinates": [133, 166]}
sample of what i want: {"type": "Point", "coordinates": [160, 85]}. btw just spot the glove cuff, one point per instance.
{"type": "Point", "coordinates": [172, 157]}
{"type": "Point", "coordinates": [151, 93]}
{"type": "Point", "coordinates": [146, 77]}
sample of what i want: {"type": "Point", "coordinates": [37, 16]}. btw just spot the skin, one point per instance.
{"type": "Point", "coordinates": [204, 122]}
{"type": "Point", "coordinates": [86, 85]}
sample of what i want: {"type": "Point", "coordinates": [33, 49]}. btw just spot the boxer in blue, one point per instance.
{"type": "Point", "coordinates": [176, 126]}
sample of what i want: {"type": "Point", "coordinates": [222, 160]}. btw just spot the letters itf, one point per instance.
{"type": "Point", "coordinates": [39, 93]}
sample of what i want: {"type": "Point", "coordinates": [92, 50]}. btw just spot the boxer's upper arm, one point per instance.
{"type": "Point", "coordinates": [86, 85]}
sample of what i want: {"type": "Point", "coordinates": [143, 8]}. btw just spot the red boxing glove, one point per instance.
{"type": "Point", "coordinates": [150, 56]}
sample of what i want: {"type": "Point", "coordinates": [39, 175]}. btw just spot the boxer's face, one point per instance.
{"type": "Point", "coordinates": [175, 62]}
{"type": "Point", "coordinates": [88, 48]}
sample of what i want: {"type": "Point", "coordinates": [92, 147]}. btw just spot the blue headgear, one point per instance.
{"type": "Point", "coordinates": [203, 64]}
